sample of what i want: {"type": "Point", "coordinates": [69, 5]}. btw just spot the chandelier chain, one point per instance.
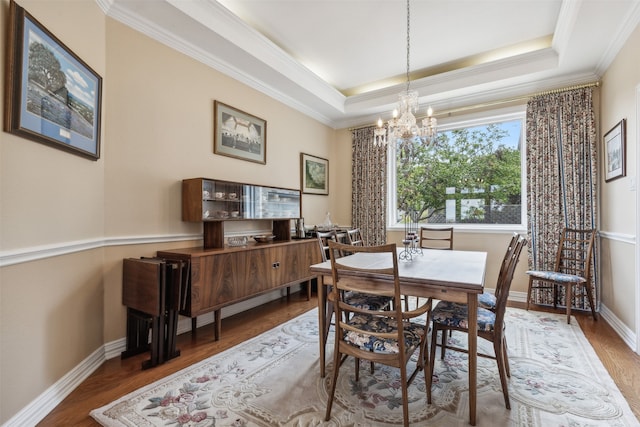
{"type": "Point", "coordinates": [408, 42]}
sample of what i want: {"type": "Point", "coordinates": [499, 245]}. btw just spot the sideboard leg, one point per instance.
{"type": "Point", "coordinates": [218, 324]}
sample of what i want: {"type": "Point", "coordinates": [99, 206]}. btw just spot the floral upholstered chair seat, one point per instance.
{"type": "Point", "coordinates": [456, 315]}
{"type": "Point", "coordinates": [554, 276]}
{"type": "Point", "coordinates": [487, 300]}
{"type": "Point", "coordinates": [368, 302]}
{"type": "Point", "coordinates": [413, 334]}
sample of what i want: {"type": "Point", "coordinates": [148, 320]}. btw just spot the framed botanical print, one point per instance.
{"type": "Point", "coordinates": [314, 174]}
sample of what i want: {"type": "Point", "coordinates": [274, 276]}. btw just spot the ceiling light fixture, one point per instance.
{"type": "Point", "coordinates": [403, 127]}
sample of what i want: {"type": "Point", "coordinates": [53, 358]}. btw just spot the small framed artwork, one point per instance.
{"type": "Point", "coordinates": [238, 134]}
{"type": "Point", "coordinates": [314, 174]}
{"type": "Point", "coordinates": [52, 96]}
{"type": "Point", "coordinates": [615, 152]}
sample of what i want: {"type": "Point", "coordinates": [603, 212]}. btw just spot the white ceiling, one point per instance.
{"type": "Point", "coordinates": [343, 62]}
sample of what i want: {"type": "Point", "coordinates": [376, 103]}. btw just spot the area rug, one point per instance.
{"type": "Point", "coordinates": [273, 380]}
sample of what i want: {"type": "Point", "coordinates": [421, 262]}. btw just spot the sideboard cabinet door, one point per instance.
{"type": "Point", "coordinates": [216, 281]}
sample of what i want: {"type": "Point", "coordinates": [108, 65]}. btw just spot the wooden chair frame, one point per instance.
{"type": "Point", "coordinates": [436, 238]}
{"type": "Point", "coordinates": [496, 336]}
{"type": "Point", "coordinates": [373, 282]}
{"type": "Point", "coordinates": [573, 261]}
{"type": "Point", "coordinates": [354, 237]}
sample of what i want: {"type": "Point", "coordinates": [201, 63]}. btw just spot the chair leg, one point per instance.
{"type": "Point", "coordinates": [405, 395]}
{"type": "Point", "coordinates": [591, 301]}
{"type": "Point", "coordinates": [443, 346]}
{"type": "Point", "coordinates": [499, 352]}
{"type": "Point", "coordinates": [505, 355]}
{"type": "Point", "coordinates": [529, 291]}
{"type": "Point", "coordinates": [568, 300]}
{"type": "Point", "coordinates": [432, 360]}
{"type": "Point", "coordinates": [334, 381]}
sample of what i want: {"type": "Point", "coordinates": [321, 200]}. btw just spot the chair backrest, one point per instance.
{"type": "Point", "coordinates": [354, 237]}
{"type": "Point", "coordinates": [505, 262]}
{"type": "Point", "coordinates": [349, 275]}
{"type": "Point", "coordinates": [575, 252]}
{"type": "Point", "coordinates": [504, 283]}
{"type": "Point", "coordinates": [436, 238]}
{"type": "Point", "coordinates": [324, 237]}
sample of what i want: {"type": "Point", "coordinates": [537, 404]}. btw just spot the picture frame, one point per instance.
{"type": "Point", "coordinates": [239, 134]}
{"type": "Point", "coordinates": [60, 108]}
{"type": "Point", "coordinates": [615, 152]}
{"type": "Point", "coordinates": [314, 174]}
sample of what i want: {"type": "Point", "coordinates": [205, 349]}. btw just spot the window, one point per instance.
{"type": "Point", "coordinates": [473, 176]}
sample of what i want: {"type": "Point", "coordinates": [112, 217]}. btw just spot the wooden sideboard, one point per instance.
{"type": "Point", "coordinates": [224, 276]}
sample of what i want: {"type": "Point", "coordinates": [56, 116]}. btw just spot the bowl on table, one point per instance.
{"type": "Point", "coordinates": [264, 238]}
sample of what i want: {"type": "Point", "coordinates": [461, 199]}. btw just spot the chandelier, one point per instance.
{"type": "Point", "coordinates": [403, 127]}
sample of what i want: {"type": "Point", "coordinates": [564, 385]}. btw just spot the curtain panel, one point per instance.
{"type": "Point", "coordinates": [369, 187]}
{"type": "Point", "coordinates": [561, 178]}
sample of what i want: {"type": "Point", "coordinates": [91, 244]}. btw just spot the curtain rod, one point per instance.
{"type": "Point", "coordinates": [503, 101]}
{"type": "Point", "coordinates": [518, 98]}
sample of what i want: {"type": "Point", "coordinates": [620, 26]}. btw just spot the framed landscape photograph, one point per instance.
{"type": "Point", "coordinates": [52, 96]}
{"type": "Point", "coordinates": [314, 174]}
{"type": "Point", "coordinates": [615, 152]}
{"type": "Point", "coordinates": [239, 134]}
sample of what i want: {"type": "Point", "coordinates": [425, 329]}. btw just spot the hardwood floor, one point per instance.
{"type": "Point", "coordinates": [116, 377]}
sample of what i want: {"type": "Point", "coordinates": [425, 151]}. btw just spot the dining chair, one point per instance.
{"type": "Point", "coordinates": [387, 337]}
{"type": "Point", "coordinates": [433, 238]}
{"type": "Point", "coordinates": [487, 299]}
{"type": "Point", "coordinates": [323, 240]}
{"type": "Point", "coordinates": [572, 268]}
{"type": "Point", "coordinates": [354, 237]}
{"type": "Point", "coordinates": [436, 237]}
{"type": "Point", "coordinates": [367, 301]}
{"type": "Point", "coordinates": [448, 316]}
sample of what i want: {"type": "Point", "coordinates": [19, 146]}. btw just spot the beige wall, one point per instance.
{"type": "Point", "coordinates": [51, 311]}
{"type": "Point", "coordinates": [160, 125]}
{"type": "Point", "coordinates": [617, 200]}
{"type": "Point", "coordinates": [157, 129]}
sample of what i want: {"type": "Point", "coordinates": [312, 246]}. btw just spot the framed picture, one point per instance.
{"type": "Point", "coordinates": [239, 134]}
{"type": "Point", "coordinates": [615, 156]}
{"type": "Point", "coordinates": [314, 174]}
{"type": "Point", "coordinates": [52, 96]}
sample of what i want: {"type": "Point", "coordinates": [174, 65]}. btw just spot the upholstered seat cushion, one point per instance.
{"type": "Point", "coordinates": [556, 277]}
{"type": "Point", "coordinates": [413, 333]}
{"type": "Point", "coordinates": [487, 300]}
{"type": "Point", "coordinates": [367, 302]}
{"type": "Point", "coordinates": [456, 315]}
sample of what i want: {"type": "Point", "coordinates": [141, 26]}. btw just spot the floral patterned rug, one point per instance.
{"type": "Point", "coordinates": [273, 380]}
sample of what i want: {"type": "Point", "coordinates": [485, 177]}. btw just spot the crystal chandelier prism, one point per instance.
{"type": "Point", "coordinates": [403, 128]}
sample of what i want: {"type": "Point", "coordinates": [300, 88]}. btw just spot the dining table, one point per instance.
{"type": "Point", "coordinates": [448, 275]}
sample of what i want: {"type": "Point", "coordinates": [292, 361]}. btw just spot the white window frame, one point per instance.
{"type": "Point", "coordinates": [470, 120]}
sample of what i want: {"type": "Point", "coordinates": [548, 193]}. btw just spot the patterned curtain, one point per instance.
{"type": "Point", "coordinates": [561, 178]}
{"type": "Point", "coordinates": [369, 187]}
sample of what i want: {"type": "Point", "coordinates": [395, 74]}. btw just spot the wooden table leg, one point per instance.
{"type": "Point", "coordinates": [472, 304]}
{"type": "Point", "coordinates": [322, 312]}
